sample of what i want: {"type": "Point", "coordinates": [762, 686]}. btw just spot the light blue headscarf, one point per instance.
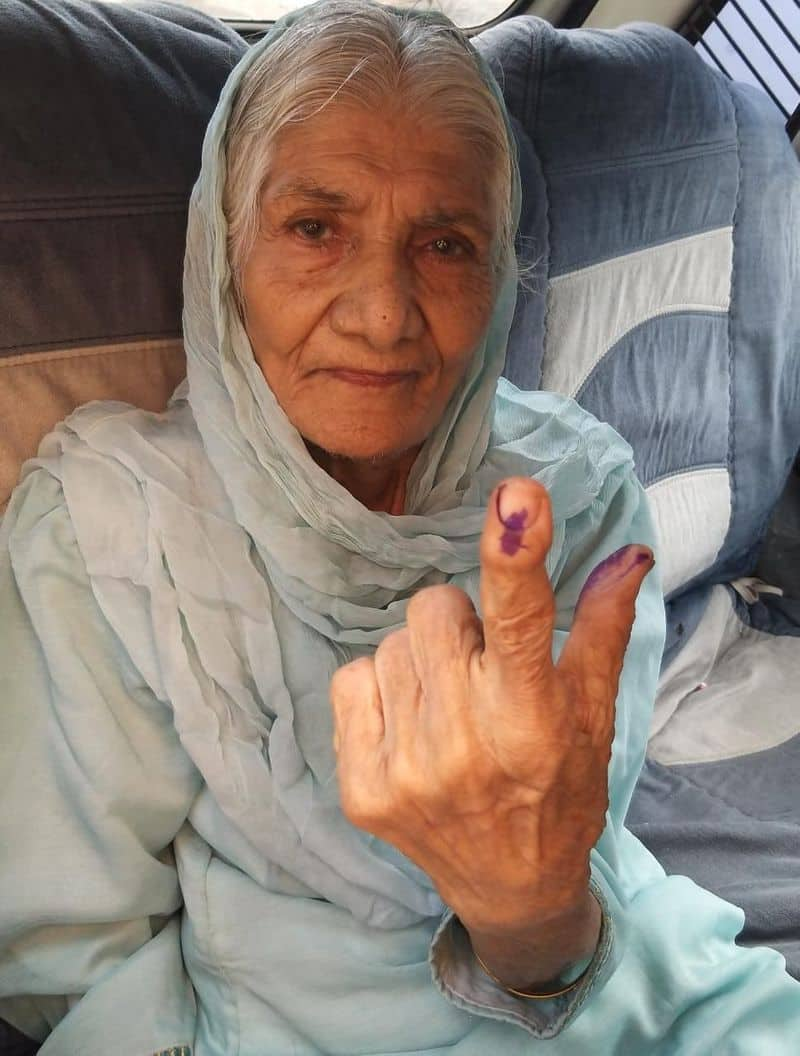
{"type": "Point", "coordinates": [232, 577]}
{"type": "Point", "coordinates": [240, 575]}
{"type": "Point", "coordinates": [338, 568]}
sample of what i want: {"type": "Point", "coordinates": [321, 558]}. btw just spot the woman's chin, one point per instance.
{"type": "Point", "coordinates": [368, 447]}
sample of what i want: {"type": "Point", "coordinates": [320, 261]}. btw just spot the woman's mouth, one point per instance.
{"type": "Point", "coordinates": [371, 378]}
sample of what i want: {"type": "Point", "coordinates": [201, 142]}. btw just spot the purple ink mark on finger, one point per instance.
{"type": "Point", "coordinates": [607, 567]}
{"type": "Point", "coordinates": [614, 568]}
{"type": "Point", "coordinates": [510, 543]}
{"type": "Point", "coordinates": [514, 524]}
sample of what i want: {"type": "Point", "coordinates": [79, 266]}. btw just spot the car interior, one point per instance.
{"type": "Point", "coordinates": [660, 231]}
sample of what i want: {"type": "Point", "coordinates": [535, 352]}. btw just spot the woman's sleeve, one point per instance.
{"type": "Point", "coordinates": [94, 785]}
{"type": "Point", "coordinates": [667, 975]}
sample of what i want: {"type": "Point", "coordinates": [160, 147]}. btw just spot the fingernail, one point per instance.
{"type": "Point", "coordinates": [618, 565]}
{"type": "Point", "coordinates": [515, 516]}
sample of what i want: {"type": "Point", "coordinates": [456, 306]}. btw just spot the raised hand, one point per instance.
{"type": "Point", "coordinates": [461, 743]}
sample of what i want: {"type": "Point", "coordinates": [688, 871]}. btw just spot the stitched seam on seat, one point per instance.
{"type": "Point", "coordinates": [641, 254]}
{"type": "Point", "coordinates": [710, 310]}
{"type": "Point", "coordinates": [579, 265]}
{"type": "Point", "coordinates": [697, 472]}
{"type": "Point", "coordinates": [546, 352]}
{"type": "Point", "coordinates": [68, 215]}
{"type": "Point", "coordinates": [100, 339]}
{"type": "Point", "coordinates": [732, 404]}
{"type": "Point", "coordinates": [55, 199]}
{"type": "Point", "coordinates": [698, 150]}
{"type": "Point", "coordinates": [62, 355]}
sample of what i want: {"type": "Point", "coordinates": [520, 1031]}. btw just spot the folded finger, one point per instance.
{"type": "Point", "coordinates": [445, 634]}
{"type": "Point", "coordinates": [356, 703]}
{"type": "Point", "coordinates": [399, 690]}
{"type": "Point", "coordinates": [358, 740]}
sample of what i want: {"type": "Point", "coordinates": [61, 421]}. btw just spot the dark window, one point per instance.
{"type": "Point", "coordinates": [754, 41]}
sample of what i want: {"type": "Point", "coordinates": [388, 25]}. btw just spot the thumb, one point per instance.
{"type": "Point", "coordinates": [601, 628]}
{"type": "Point", "coordinates": [517, 603]}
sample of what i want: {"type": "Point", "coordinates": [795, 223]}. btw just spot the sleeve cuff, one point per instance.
{"type": "Point", "coordinates": [459, 977]}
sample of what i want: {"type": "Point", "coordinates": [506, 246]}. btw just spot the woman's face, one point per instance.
{"type": "Point", "coordinates": [371, 280]}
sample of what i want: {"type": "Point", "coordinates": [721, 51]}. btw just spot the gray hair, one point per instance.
{"type": "Point", "coordinates": [360, 52]}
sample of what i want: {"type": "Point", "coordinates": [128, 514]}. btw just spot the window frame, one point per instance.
{"type": "Point", "coordinates": [252, 31]}
{"type": "Point", "coordinates": [693, 29]}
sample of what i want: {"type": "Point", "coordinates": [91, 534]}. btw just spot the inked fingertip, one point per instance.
{"type": "Point", "coordinates": [517, 508]}
{"type": "Point", "coordinates": [617, 566]}
{"type": "Point", "coordinates": [517, 503]}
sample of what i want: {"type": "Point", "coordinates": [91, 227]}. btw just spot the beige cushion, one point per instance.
{"type": "Point", "coordinates": [39, 389]}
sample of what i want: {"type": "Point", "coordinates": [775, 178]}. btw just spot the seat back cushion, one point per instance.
{"type": "Point", "coordinates": [102, 113]}
{"type": "Point", "coordinates": [667, 230]}
{"type": "Point", "coordinates": [660, 229]}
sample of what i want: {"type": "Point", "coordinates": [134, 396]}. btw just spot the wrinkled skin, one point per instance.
{"type": "Point", "coordinates": [460, 742]}
{"type": "Point", "coordinates": [374, 255]}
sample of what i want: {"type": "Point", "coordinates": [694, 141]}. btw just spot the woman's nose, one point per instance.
{"type": "Point", "coordinates": [379, 303]}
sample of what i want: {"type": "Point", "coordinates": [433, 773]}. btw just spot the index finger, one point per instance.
{"type": "Point", "coordinates": [517, 602]}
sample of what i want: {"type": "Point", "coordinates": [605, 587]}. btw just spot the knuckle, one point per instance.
{"type": "Point", "coordinates": [604, 658]}
{"type": "Point", "coordinates": [393, 649]}
{"type": "Point", "coordinates": [352, 679]}
{"type": "Point", "coordinates": [432, 605]}
{"type": "Point", "coordinates": [600, 684]}
{"type": "Point", "coordinates": [456, 774]}
{"type": "Point", "coordinates": [357, 814]}
{"type": "Point", "coordinates": [359, 809]}
{"type": "Point", "coordinates": [531, 624]}
{"type": "Point", "coordinates": [407, 783]}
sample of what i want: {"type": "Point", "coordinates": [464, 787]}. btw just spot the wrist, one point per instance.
{"type": "Point", "coordinates": [544, 955]}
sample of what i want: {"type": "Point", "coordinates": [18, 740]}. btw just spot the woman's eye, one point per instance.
{"type": "Point", "coordinates": [310, 230]}
{"type": "Point", "coordinates": [448, 247]}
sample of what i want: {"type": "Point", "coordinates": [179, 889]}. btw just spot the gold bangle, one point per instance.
{"type": "Point", "coordinates": [524, 993]}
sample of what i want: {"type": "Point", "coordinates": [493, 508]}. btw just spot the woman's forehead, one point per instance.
{"type": "Point", "coordinates": [334, 157]}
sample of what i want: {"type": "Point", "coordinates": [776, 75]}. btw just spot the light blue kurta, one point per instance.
{"type": "Point", "coordinates": [96, 783]}
{"type": "Point", "coordinates": [176, 591]}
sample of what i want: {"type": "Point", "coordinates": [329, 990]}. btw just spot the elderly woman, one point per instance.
{"type": "Point", "coordinates": [273, 786]}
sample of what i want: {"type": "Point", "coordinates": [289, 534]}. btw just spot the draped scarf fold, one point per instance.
{"type": "Point", "coordinates": [239, 575]}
